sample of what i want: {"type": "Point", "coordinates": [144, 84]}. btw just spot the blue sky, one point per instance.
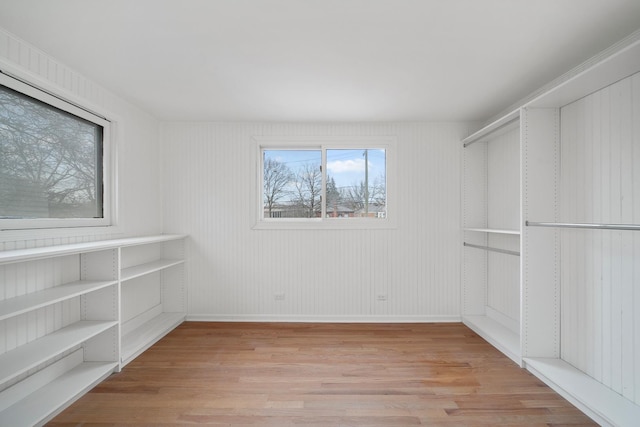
{"type": "Point", "coordinates": [345, 166]}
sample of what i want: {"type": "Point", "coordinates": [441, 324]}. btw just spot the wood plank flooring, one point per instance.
{"type": "Point", "coordinates": [303, 374]}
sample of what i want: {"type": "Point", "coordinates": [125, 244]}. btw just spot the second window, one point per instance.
{"type": "Point", "coordinates": [324, 182]}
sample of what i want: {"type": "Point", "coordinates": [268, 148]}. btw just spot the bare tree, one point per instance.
{"type": "Point", "coordinates": [308, 186]}
{"type": "Point", "coordinates": [277, 177]}
{"type": "Point", "coordinates": [379, 191]}
{"type": "Point", "coordinates": [48, 160]}
{"type": "Point", "coordinates": [354, 195]}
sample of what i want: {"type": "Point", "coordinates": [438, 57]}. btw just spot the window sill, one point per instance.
{"type": "Point", "coordinates": [325, 224]}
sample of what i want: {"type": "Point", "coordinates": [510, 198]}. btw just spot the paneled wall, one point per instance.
{"type": "Point", "coordinates": [136, 153]}
{"type": "Point", "coordinates": [137, 193]}
{"type": "Point", "coordinates": [236, 271]}
{"type": "Point", "coordinates": [503, 212]}
{"type": "Point", "coordinates": [600, 270]}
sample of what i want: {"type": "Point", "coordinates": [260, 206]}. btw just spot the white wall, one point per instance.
{"type": "Point", "coordinates": [600, 270]}
{"type": "Point", "coordinates": [139, 196]}
{"type": "Point", "coordinates": [137, 161]}
{"type": "Point", "coordinates": [503, 212]}
{"type": "Point", "coordinates": [234, 271]}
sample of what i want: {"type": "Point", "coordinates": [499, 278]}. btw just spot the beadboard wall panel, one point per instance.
{"type": "Point", "coordinates": [235, 271]}
{"type": "Point", "coordinates": [503, 279]}
{"type": "Point", "coordinates": [503, 212]}
{"type": "Point", "coordinates": [600, 270]}
{"type": "Point", "coordinates": [475, 193]}
{"type": "Point", "coordinates": [503, 181]}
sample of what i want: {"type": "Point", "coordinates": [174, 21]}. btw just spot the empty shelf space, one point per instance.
{"type": "Point", "coordinates": [42, 404]}
{"type": "Point", "coordinates": [27, 356]}
{"type": "Point", "coordinates": [24, 303]}
{"type": "Point", "coordinates": [150, 267]}
{"type": "Point", "coordinates": [601, 403]}
{"type": "Point", "coordinates": [494, 230]}
{"type": "Point", "coordinates": [141, 338]}
{"type": "Point", "coordinates": [496, 334]}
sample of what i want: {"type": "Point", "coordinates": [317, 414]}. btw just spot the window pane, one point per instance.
{"type": "Point", "coordinates": [356, 183]}
{"type": "Point", "coordinates": [50, 161]}
{"type": "Point", "coordinates": [292, 183]}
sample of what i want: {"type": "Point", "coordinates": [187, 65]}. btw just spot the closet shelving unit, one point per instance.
{"type": "Point", "coordinates": [60, 320]}
{"type": "Point", "coordinates": [537, 343]}
{"type": "Point", "coordinates": [492, 234]}
{"type": "Point", "coordinates": [152, 292]}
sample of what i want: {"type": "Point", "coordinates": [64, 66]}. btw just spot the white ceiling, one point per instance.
{"type": "Point", "coordinates": [321, 60]}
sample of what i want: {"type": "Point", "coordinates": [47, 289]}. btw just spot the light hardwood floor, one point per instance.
{"type": "Point", "coordinates": [297, 374]}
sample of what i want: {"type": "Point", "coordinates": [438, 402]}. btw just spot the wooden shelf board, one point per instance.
{"type": "Point", "coordinates": [30, 355]}
{"type": "Point", "coordinates": [44, 403]}
{"type": "Point", "coordinates": [494, 230]}
{"type": "Point", "coordinates": [150, 267]}
{"type": "Point", "coordinates": [20, 255]}
{"type": "Point", "coordinates": [143, 337]}
{"type": "Point", "coordinates": [25, 303]}
{"type": "Point", "coordinates": [596, 400]}
{"type": "Point", "coordinates": [496, 334]}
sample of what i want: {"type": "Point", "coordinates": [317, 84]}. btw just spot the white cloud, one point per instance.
{"type": "Point", "coordinates": [340, 166]}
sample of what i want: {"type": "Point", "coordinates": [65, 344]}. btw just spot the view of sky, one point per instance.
{"type": "Point", "coordinates": [347, 167]}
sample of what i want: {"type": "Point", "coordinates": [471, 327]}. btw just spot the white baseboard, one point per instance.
{"type": "Point", "coordinates": [320, 318]}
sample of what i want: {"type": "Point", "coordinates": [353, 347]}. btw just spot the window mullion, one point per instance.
{"type": "Point", "coordinates": [323, 192]}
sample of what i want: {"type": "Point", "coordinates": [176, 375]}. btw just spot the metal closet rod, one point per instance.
{"type": "Point", "coordinates": [634, 227]}
{"type": "Point", "coordinates": [489, 248]}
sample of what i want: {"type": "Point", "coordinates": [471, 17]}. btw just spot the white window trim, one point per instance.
{"type": "Point", "coordinates": [41, 91]}
{"type": "Point", "coordinates": [323, 143]}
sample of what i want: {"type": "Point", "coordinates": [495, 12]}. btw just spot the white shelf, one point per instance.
{"type": "Point", "coordinates": [496, 334]}
{"type": "Point", "coordinates": [601, 403]}
{"type": "Point", "coordinates": [144, 336]}
{"type": "Point", "coordinates": [619, 61]}
{"type": "Point", "coordinates": [25, 303]}
{"type": "Point", "coordinates": [21, 255]}
{"type": "Point", "coordinates": [39, 406]}
{"type": "Point", "coordinates": [33, 393]}
{"type": "Point", "coordinates": [493, 230]}
{"type": "Point", "coordinates": [30, 355]}
{"type": "Point", "coordinates": [150, 267]}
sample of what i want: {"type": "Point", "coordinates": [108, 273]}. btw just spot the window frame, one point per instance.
{"type": "Point", "coordinates": [388, 143]}
{"type": "Point", "coordinates": [24, 87]}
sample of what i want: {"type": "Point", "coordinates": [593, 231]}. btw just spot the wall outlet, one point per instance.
{"type": "Point", "coordinates": [278, 297]}
{"type": "Point", "coordinates": [381, 297]}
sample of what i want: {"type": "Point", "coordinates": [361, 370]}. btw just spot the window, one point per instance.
{"type": "Point", "coordinates": [324, 183]}
{"type": "Point", "coordinates": [52, 160]}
